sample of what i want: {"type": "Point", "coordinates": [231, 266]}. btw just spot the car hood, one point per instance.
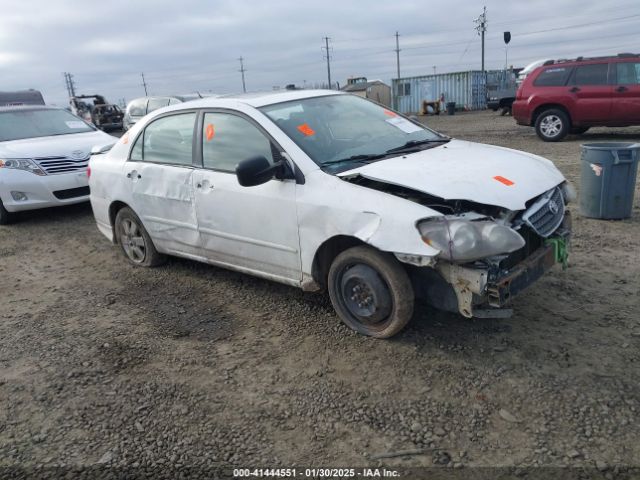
{"type": "Point", "coordinates": [75, 145]}
{"type": "Point", "coordinates": [460, 170]}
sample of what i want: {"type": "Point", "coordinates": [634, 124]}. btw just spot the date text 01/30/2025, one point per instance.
{"type": "Point", "coordinates": [315, 472]}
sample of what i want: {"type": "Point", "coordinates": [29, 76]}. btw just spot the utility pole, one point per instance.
{"type": "Point", "coordinates": [70, 84]}
{"type": "Point", "coordinates": [242, 70]}
{"type": "Point", "coordinates": [481, 28]}
{"type": "Point", "coordinates": [144, 84]}
{"type": "Point", "coordinates": [398, 54]}
{"type": "Point", "coordinates": [326, 47]}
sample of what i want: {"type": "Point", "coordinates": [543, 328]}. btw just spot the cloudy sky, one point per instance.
{"type": "Point", "coordinates": [194, 45]}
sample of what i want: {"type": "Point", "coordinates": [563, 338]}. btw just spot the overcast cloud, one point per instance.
{"type": "Point", "coordinates": [188, 45]}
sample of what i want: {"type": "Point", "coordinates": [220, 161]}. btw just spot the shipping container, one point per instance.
{"type": "Point", "coordinates": [466, 89]}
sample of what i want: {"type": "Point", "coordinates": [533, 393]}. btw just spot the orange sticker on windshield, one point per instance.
{"type": "Point", "coordinates": [306, 130]}
{"type": "Point", "coordinates": [125, 138]}
{"type": "Point", "coordinates": [210, 132]}
{"type": "Point", "coordinates": [506, 181]}
{"type": "Point", "coordinates": [389, 113]}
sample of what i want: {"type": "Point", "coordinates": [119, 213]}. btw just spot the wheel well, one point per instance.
{"type": "Point", "coordinates": [114, 208]}
{"type": "Point", "coordinates": [327, 252]}
{"type": "Point", "coordinates": [549, 106]}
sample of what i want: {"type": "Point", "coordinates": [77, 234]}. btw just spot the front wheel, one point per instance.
{"type": "Point", "coordinates": [552, 125]}
{"type": "Point", "coordinates": [134, 240]}
{"type": "Point", "coordinates": [5, 216]}
{"type": "Point", "coordinates": [371, 292]}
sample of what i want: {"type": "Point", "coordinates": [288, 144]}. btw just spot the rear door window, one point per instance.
{"type": "Point", "coordinates": [166, 140]}
{"type": "Point", "coordinates": [628, 73]}
{"type": "Point", "coordinates": [591, 74]}
{"type": "Point", "coordinates": [553, 77]}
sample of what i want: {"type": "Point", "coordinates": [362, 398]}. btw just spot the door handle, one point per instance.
{"type": "Point", "coordinates": [204, 184]}
{"type": "Point", "coordinates": [133, 174]}
{"type": "Point", "coordinates": [574, 89]}
{"type": "Point", "coordinates": [621, 89]}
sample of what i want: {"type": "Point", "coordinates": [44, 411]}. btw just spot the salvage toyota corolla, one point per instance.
{"type": "Point", "coordinates": [322, 189]}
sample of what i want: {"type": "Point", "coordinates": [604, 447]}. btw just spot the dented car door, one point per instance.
{"type": "Point", "coordinates": [160, 171]}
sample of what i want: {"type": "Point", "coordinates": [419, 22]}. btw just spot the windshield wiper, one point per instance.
{"type": "Point", "coordinates": [362, 158]}
{"type": "Point", "coordinates": [412, 145]}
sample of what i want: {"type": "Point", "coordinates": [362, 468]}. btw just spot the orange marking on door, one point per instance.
{"type": "Point", "coordinates": [306, 130]}
{"type": "Point", "coordinates": [504, 180]}
{"type": "Point", "coordinates": [210, 132]}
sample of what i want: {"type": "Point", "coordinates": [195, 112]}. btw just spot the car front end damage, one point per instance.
{"type": "Point", "coordinates": [469, 277]}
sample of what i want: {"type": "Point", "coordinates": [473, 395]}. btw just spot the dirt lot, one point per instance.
{"type": "Point", "coordinates": [188, 365]}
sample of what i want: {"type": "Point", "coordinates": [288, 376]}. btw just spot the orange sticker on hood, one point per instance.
{"type": "Point", "coordinates": [210, 132]}
{"type": "Point", "coordinates": [125, 138]}
{"type": "Point", "coordinates": [306, 130]}
{"type": "Point", "coordinates": [389, 113]}
{"type": "Point", "coordinates": [504, 180]}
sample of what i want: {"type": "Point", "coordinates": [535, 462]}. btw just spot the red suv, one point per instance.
{"type": "Point", "coordinates": [569, 96]}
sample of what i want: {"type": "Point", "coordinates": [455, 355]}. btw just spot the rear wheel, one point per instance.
{"type": "Point", "coordinates": [371, 292]}
{"type": "Point", "coordinates": [552, 125]}
{"type": "Point", "coordinates": [134, 240]}
{"type": "Point", "coordinates": [5, 216]}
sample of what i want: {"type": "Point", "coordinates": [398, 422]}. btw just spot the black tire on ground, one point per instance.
{"type": "Point", "coordinates": [552, 125]}
{"type": "Point", "coordinates": [5, 216]}
{"type": "Point", "coordinates": [371, 292]}
{"type": "Point", "coordinates": [135, 242]}
{"type": "Point", "coordinates": [578, 130]}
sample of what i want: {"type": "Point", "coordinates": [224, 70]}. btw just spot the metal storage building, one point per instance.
{"type": "Point", "coordinates": [467, 89]}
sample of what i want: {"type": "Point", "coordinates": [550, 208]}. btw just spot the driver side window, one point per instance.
{"type": "Point", "coordinates": [229, 139]}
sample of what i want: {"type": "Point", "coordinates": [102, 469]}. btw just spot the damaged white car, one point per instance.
{"type": "Point", "coordinates": [325, 190]}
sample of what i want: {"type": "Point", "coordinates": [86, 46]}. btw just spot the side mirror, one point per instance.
{"type": "Point", "coordinates": [99, 149]}
{"type": "Point", "coordinates": [256, 171]}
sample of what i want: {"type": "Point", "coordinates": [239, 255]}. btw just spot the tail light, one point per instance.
{"type": "Point", "coordinates": [88, 172]}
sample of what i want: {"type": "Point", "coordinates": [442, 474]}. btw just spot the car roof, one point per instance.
{"type": "Point", "coordinates": [13, 108]}
{"type": "Point", "coordinates": [260, 99]}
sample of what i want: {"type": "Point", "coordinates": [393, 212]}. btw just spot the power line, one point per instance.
{"type": "Point", "coordinates": [242, 70]}
{"type": "Point", "coordinates": [328, 57]}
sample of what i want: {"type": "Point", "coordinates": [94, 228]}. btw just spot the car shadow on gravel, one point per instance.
{"type": "Point", "coordinates": [67, 213]}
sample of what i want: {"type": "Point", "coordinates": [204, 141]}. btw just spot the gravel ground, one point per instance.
{"type": "Point", "coordinates": [186, 366]}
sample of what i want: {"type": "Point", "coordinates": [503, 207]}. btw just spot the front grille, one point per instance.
{"type": "Point", "coordinates": [53, 165]}
{"type": "Point", "coordinates": [71, 193]}
{"type": "Point", "coordinates": [546, 213]}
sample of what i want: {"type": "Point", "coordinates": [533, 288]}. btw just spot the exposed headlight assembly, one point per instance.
{"type": "Point", "coordinates": [21, 164]}
{"type": "Point", "coordinates": [464, 240]}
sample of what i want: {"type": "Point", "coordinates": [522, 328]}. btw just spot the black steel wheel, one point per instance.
{"type": "Point", "coordinates": [371, 292]}
{"type": "Point", "coordinates": [134, 240]}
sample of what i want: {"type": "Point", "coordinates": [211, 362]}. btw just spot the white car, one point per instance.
{"type": "Point", "coordinates": [322, 189]}
{"type": "Point", "coordinates": [44, 153]}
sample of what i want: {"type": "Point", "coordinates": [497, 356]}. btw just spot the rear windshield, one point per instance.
{"type": "Point", "coordinates": [553, 77]}
{"type": "Point", "coordinates": [19, 124]}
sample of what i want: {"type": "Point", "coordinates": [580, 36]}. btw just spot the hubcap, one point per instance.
{"type": "Point", "coordinates": [132, 240]}
{"type": "Point", "coordinates": [551, 125]}
{"type": "Point", "coordinates": [365, 294]}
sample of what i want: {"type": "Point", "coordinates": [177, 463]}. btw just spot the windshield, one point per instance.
{"type": "Point", "coordinates": [346, 128]}
{"type": "Point", "coordinates": [19, 124]}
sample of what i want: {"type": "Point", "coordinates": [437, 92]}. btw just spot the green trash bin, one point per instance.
{"type": "Point", "coordinates": [608, 179]}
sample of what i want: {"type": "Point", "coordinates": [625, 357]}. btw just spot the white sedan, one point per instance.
{"type": "Point", "coordinates": [325, 190]}
{"type": "Point", "coordinates": [44, 153]}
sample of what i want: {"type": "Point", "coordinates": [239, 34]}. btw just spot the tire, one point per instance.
{"type": "Point", "coordinates": [6, 217]}
{"type": "Point", "coordinates": [370, 292]}
{"type": "Point", "coordinates": [578, 130]}
{"type": "Point", "coordinates": [552, 125]}
{"type": "Point", "coordinates": [135, 242]}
